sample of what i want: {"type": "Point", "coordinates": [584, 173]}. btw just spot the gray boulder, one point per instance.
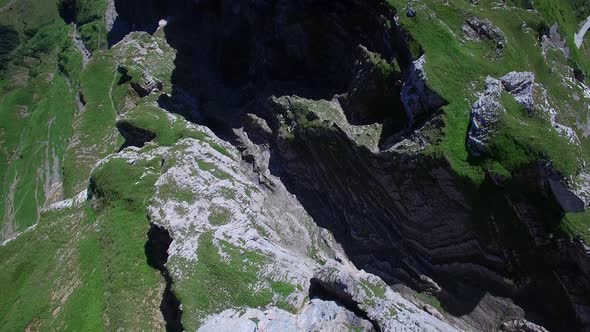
{"type": "Point", "coordinates": [478, 29]}
{"type": "Point", "coordinates": [486, 111]}
{"type": "Point", "coordinates": [485, 114]}
{"type": "Point", "coordinates": [520, 85]}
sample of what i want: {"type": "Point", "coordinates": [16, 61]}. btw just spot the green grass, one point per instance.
{"type": "Point", "coordinates": [29, 273]}
{"type": "Point", "coordinates": [28, 16]}
{"type": "Point", "coordinates": [219, 216]}
{"type": "Point", "coordinates": [35, 132]}
{"type": "Point", "coordinates": [151, 117]}
{"type": "Point", "coordinates": [577, 225]}
{"type": "Point", "coordinates": [169, 190]}
{"type": "Point", "coordinates": [377, 290]}
{"type": "Point", "coordinates": [95, 257]}
{"type": "Point", "coordinates": [89, 16]}
{"type": "Point", "coordinates": [118, 181]}
{"type": "Point", "coordinates": [213, 169]}
{"type": "Point", "coordinates": [471, 63]}
{"type": "Point", "coordinates": [282, 288]}
{"type": "Point", "coordinates": [457, 70]}
{"type": "Point", "coordinates": [563, 13]}
{"type": "Point", "coordinates": [95, 131]}
{"type": "Point", "coordinates": [431, 300]}
{"type": "Point", "coordinates": [217, 284]}
{"type": "Point", "coordinates": [522, 140]}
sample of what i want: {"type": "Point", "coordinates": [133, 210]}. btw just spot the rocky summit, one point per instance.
{"type": "Point", "coordinates": [294, 165]}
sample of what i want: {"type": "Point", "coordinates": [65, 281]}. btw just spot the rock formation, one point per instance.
{"type": "Point", "coordinates": [293, 165]}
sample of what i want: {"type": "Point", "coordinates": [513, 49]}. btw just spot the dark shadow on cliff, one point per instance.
{"type": "Point", "coordinates": [233, 55]}
{"type": "Point", "coordinates": [136, 15]}
{"type": "Point", "coordinates": [156, 251]}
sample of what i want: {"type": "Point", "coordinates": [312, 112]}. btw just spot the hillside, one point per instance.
{"type": "Point", "coordinates": [376, 165]}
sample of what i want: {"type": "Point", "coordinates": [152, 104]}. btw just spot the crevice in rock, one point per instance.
{"type": "Point", "coordinates": [321, 290]}
{"type": "Point", "coordinates": [81, 98]}
{"type": "Point", "coordinates": [134, 136]}
{"type": "Point", "coordinates": [156, 251]}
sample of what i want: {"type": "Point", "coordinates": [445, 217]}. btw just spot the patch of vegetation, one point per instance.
{"type": "Point", "coordinates": [171, 190]}
{"type": "Point", "coordinates": [522, 140]}
{"type": "Point", "coordinates": [456, 70]}
{"type": "Point", "coordinates": [151, 117]}
{"type": "Point", "coordinates": [219, 216]}
{"type": "Point", "coordinates": [376, 289]}
{"type": "Point", "coordinates": [36, 126]}
{"type": "Point", "coordinates": [88, 15]}
{"type": "Point", "coordinates": [228, 193]}
{"type": "Point", "coordinates": [95, 133]}
{"type": "Point", "coordinates": [430, 300]}
{"type": "Point", "coordinates": [282, 288]}
{"type": "Point", "coordinates": [567, 14]}
{"type": "Point", "coordinates": [577, 225]}
{"type": "Point", "coordinates": [83, 269]}
{"type": "Point", "coordinates": [582, 8]}
{"type": "Point", "coordinates": [220, 282]}
{"type": "Point", "coordinates": [119, 181]}
{"type": "Point", "coordinates": [213, 169]}
{"type": "Point", "coordinates": [219, 148]}
{"type": "Point", "coordinates": [261, 230]}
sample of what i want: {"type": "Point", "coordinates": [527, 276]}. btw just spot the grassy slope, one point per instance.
{"type": "Point", "coordinates": [84, 268]}
{"type": "Point", "coordinates": [457, 69]}
{"type": "Point", "coordinates": [37, 105]}
{"type": "Point", "coordinates": [90, 21]}
{"type": "Point", "coordinates": [95, 133]}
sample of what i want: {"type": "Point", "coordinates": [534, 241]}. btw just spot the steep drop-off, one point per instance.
{"type": "Point", "coordinates": [405, 216]}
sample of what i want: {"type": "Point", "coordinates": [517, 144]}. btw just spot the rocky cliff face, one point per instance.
{"type": "Point", "coordinates": [279, 164]}
{"type": "Point", "coordinates": [405, 217]}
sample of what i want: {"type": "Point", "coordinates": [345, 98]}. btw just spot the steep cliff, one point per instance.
{"type": "Point", "coordinates": [300, 165]}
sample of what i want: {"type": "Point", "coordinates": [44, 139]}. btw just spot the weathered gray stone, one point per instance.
{"type": "Point", "coordinates": [417, 97]}
{"type": "Point", "coordinates": [485, 115]}
{"type": "Point", "coordinates": [476, 29]}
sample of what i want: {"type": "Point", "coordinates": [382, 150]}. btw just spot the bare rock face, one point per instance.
{"type": "Point", "coordinates": [521, 326]}
{"type": "Point", "coordinates": [321, 200]}
{"type": "Point", "coordinates": [394, 196]}
{"type": "Point", "coordinates": [418, 99]}
{"type": "Point", "coordinates": [216, 216]}
{"type": "Point", "coordinates": [318, 315]}
{"type": "Point", "coordinates": [552, 39]}
{"type": "Point", "coordinates": [485, 114]}
{"type": "Point", "coordinates": [486, 111]}
{"type": "Point", "coordinates": [520, 85]}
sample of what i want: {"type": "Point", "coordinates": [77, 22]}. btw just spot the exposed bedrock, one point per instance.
{"type": "Point", "coordinates": [488, 254]}
{"type": "Point", "coordinates": [410, 220]}
{"type": "Point", "coordinates": [233, 55]}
